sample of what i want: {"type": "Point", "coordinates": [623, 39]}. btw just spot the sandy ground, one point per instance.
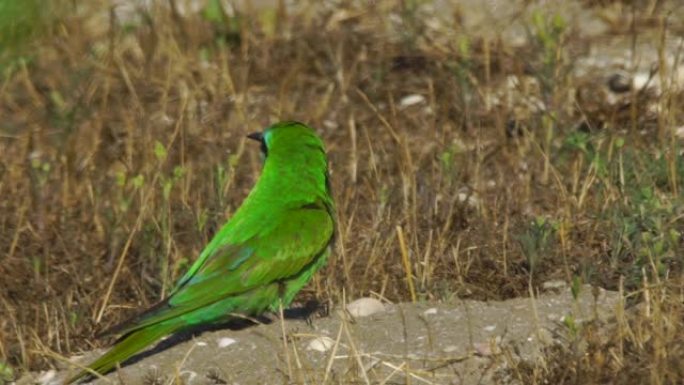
{"type": "Point", "coordinates": [461, 342]}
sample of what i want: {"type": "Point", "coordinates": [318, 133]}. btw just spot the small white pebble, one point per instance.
{"type": "Point", "coordinates": [430, 311]}
{"type": "Point", "coordinates": [225, 341]}
{"type": "Point", "coordinates": [488, 348]}
{"type": "Point", "coordinates": [410, 100]}
{"type": "Point", "coordinates": [470, 199]}
{"type": "Point", "coordinates": [47, 377]}
{"type": "Point", "coordinates": [482, 348]}
{"type": "Point", "coordinates": [364, 307]}
{"type": "Point", "coordinates": [330, 124]}
{"type": "Point", "coordinates": [679, 132]}
{"type": "Point", "coordinates": [162, 119]}
{"type": "Point", "coordinates": [490, 328]}
{"type": "Point", "coordinates": [554, 285]}
{"type": "Point", "coordinates": [641, 79]}
{"type": "Point", "coordinates": [201, 343]}
{"type": "Point", "coordinates": [321, 344]}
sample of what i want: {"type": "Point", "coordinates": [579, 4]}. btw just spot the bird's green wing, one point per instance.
{"type": "Point", "coordinates": [299, 235]}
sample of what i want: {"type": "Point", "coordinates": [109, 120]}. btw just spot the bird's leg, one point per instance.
{"type": "Point", "coordinates": [315, 309]}
{"type": "Point", "coordinates": [268, 317]}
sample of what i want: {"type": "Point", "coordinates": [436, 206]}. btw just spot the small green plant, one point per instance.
{"type": "Point", "coordinates": [547, 35]}
{"type": "Point", "coordinates": [462, 69]}
{"type": "Point", "coordinates": [41, 171]}
{"type": "Point", "coordinates": [448, 159]}
{"type": "Point", "coordinates": [576, 287]}
{"type": "Point", "coordinates": [227, 27]}
{"type": "Point", "coordinates": [537, 240]}
{"type": "Point", "coordinates": [571, 325]}
{"type": "Point", "coordinates": [646, 237]}
{"type": "Point", "coordinates": [6, 372]}
{"type": "Point", "coordinates": [588, 146]}
{"type": "Point", "coordinates": [551, 70]}
{"type": "Point", "coordinates": [213, 11]}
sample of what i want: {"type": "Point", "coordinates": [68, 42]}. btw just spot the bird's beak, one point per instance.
{"type": "Point", "coordinates": [258, 136]}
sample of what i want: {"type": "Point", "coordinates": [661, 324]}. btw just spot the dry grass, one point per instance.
{"type": "Point", "coordinates": [122, 150]}
{"type": "Point", "coordinates": [642, 346]}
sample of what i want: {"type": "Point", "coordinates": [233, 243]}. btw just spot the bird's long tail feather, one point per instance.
{"type": "Point", "coordinates": [127, 347]}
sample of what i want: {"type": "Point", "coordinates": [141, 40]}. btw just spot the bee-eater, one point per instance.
{"type": "Point", "coordinates": [271, 247]}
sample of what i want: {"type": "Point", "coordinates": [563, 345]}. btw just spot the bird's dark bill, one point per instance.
{"type": "Point", "coordinates": [258, 136]}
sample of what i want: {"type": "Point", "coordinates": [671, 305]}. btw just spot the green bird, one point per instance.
{"type": "Point", "coordinates": [278, 238]}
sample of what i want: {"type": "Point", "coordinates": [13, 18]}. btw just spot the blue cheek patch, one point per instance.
{"type": "Point", "coordinates": [268, 134]}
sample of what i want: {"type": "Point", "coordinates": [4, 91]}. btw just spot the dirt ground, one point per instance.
{"type": "Point", "coordinates": [459, 342]}
{"type": "Point", "coordinates": [517, 146]}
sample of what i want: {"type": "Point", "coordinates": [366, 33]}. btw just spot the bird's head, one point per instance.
{"type": "Point", "coordinates": [287, 139]}
{"type": "Point", "coordinates": [295, 163]}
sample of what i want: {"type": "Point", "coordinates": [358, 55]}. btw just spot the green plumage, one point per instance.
{"type": "Point", "coordinates": [265, 254]}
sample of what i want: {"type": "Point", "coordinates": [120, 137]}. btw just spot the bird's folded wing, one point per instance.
{"type": "Point", "coordinates": [296, 239]}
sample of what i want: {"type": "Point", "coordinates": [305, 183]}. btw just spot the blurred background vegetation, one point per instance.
{"type": "Point", "coordinates": [505, 159]}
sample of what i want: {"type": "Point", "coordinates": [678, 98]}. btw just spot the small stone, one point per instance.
{"type": "Point", "coordinates": [411, 100]}
{"type": "Point", "coordinates": [201, 343]}
{"type": "Point", "coordinates": [679, 132]}
{"type": "Point", "coordinates": [364, 307]}
{"type": "Point", "coordinates": [430, 311]}
{"type": "Point", "coordinates": [488, 348]}
{"type": "Point", "coordinates": [468, 198]}
{"type": "Point", "coordinates": [490, 328]}
{"type": "Point", "coordinates": [556, 285]}
{"type": "Point", "coordinates": [225, 341]}
{"type": "Point", "coordinates": [330, 124]}
{"type": "Point", "coordinates": [642, 79]}
{"type": "Point", "coordinates": [162, 119]}
{"type": "Point", "coordinates": [321, 344]}
{"type": "Point", "coordinates": [619, 83]}
{"type": "Point", "coordinates": [47, 377]}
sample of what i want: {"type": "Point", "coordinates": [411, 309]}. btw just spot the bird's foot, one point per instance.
{"type": "Point", "coordinates": [314, 309]}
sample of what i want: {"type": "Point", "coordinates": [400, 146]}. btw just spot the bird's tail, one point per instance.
{"type": "Point", "coordinates": [127, 347]}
